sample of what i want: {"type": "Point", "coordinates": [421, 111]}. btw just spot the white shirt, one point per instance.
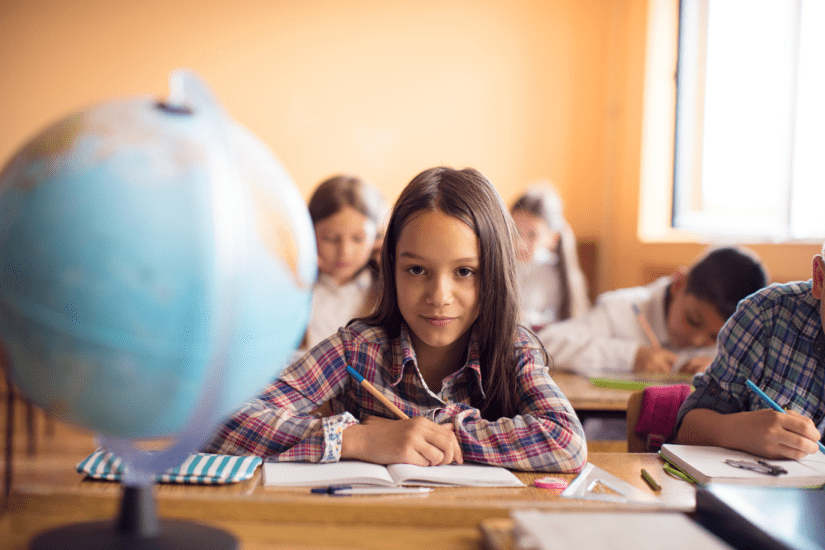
{"type": "Point", "coordinates": [334, 305]}
{"type": "Point", "coordinates": [541, 290]}
{"type": "Point", "coordinates": [608, 336]}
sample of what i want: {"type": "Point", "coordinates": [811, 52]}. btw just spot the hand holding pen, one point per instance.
{"type": "Point", "coordinates": [654, 358]}
{"type": "Point", "coordinates": [418, 440]}
{"type": "Point", "coordinates": [809, 433]}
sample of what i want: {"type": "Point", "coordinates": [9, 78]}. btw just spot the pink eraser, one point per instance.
{"type": "Point", "coordinates": [556, 484]}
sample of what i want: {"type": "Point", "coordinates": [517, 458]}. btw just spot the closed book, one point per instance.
{"type": "Point", "coordinates": [707, 464]}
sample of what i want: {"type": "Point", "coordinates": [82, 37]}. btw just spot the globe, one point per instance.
{"type": "Point", "coordinates": [156, 266]}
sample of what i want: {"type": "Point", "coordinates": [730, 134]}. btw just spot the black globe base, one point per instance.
{"type": "Point", "coordinates": [100, 535]}
{"type": "Point", "coordinates": [136, 528]}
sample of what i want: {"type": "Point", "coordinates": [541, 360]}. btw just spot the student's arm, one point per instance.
{"type": "Point", "coordinates": [764, 432]}
{"type": "Point", "coordinates": [546, 435]}
{"type": "Point", "coordinates": [719, 411]}
{"type": "Point", "coordinates": [280, 421]}
{"type": "Point", "coordinates": [589, 344]}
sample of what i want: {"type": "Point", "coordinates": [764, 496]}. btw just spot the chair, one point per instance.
{"type": "Point", "coordinates": [651, 416]}
{"type": "Point", "coordinates": [11, 398]}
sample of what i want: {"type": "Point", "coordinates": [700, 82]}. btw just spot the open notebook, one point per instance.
{"type": "Point", "coordinates": [353, 472]}
{"type": "Point", "coordinates": [707, 465]}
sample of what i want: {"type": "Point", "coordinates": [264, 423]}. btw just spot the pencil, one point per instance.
{"type": "Point", "coordinates": [377, 394]}
{"type": "Point", "coordinates": [650, 481]}
{"type": "Point", "coordinates": [774, 405]}
{"type": "Point", "coordinates": [651, 336]}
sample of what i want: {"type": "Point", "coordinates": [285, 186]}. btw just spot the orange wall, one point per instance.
{"type": "Point", "coordinates": [521, 89]}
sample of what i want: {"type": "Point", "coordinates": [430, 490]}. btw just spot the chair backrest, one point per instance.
{"type": "Point", "coordinates": [651, 416]}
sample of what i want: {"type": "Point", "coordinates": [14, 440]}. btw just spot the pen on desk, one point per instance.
{"type": "Point", "coordinates": [377, 394]}
{"type": "Point", "coordinates": [346, 490]}
{"type": "Point", "coordinates": [774, 405]}
{"type": "Point", "coordinates": [650, 481]}
{"type": "Point", "coordinates": [648, 330]}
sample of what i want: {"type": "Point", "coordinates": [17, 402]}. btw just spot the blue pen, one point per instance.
{"type": "Point", "coordinates": [774, 405]}
{"type": "Point", "coordinates": [348, 490]}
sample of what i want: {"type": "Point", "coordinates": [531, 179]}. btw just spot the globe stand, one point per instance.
{"type": "Point", "coordinates": [137, 528]}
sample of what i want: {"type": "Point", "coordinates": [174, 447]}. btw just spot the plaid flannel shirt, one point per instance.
{"type": "Point", "coordinates": [775, 339]}
{"type": "Point", "coordinates": [546, 435]}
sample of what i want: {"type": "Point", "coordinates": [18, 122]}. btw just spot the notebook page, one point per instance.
{"type": "Point", "coordinates": [454, 475]}
{"type": "Point", "coordinates": [815, 461]}
{"type": "Point", "coordinates": [305, 474]}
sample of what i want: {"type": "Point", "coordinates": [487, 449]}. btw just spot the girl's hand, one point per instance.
{"type": "Point", "coordinates": [416, 441]}
{"type": "Point", "coordinates": [654, 360]}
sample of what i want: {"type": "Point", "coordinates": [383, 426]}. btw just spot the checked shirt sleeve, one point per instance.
{"type": "Point", "coordinates": [279, 422]}
{"type": "Point", "coordinates": [546, 435]}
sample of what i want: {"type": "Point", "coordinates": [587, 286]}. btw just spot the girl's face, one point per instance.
{"type": "Point", "coordinates": [345, 242]}
{"type": "Point", "coordinates": [534, 235]}
{"type": "Point", "coordinates": [437, 279]}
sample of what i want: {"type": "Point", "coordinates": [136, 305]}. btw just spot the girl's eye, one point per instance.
{"type": "Point", "coordinates": [465, 272]}
{"type": "Point", "coordinates": [415, 270]}
{"type": "Point", "coordinates": [694, 322]}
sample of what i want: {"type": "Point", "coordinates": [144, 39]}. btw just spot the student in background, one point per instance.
{"type": "Point", "coordinates": [348, 215]}
{"type": "Point", "coordinates": [552, 284]}
{"type": "Point", "coordinates": [443, 345]}
{"type": "Point", "coordinates": [775, 339]}
{"type": "Point", "coordinates": [686, 310]}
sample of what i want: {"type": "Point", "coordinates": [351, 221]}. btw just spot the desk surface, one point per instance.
{"type": "Point", "coordinates": [589, 398]}
{"type": "Point", "coordinates": [281, 517]}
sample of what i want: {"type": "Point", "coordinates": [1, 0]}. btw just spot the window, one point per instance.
{"type": "Point", "coordinates": [750, 119]}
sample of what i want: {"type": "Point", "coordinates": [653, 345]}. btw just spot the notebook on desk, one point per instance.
{"type": "Point", "coordinates": [639, 380]}
{"type": "Point", "coordinates": [709, 465]}
{"type": "Point", "coordinates": [354, 472]}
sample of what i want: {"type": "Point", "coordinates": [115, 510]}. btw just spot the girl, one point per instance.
{"type": "Point", "coordinates": [552, 283]}
{"type": "Point", "coordinates": [443, 345]}
{"type": "Point", "coordinates": [348, 215]}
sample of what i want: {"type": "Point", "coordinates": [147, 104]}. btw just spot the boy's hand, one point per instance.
{"type": "Point", "coordinates": [765, 432]}
{"type": "Point", "coordinates": [418, 441]}
{"type": "Point", "coordinates": [654, 360]}
{"type": "Point", "coordinates": [773, 434]}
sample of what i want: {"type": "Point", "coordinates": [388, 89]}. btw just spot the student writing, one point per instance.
{"type": "Point", "coordinates": [443, 344]}
{"type": "Point", "coordinates": [348, 215]}
{"type": "Point", "coordinates": [775, 339]}
{"type": "Point", "coordinates": [552, 284]}
{"type": "Point", "coordinates": [685, 310]}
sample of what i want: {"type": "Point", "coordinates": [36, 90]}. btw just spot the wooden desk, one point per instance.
{"type": "Point", "coordinates": [283, 517]}
{"type": "Point", "coordinates": [591, 401]}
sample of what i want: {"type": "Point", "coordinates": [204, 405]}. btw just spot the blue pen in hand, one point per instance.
{"type": "Point", "coordinates": [773, 405]}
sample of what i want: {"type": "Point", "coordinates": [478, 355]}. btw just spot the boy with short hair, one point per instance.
{"type": "Point", "coordinates": [685, 311]}
{"type": "Point", "coordinates": [776, 340]}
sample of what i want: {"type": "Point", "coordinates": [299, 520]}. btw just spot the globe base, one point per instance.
{"type": "Point", "coordinates": [100, 535]}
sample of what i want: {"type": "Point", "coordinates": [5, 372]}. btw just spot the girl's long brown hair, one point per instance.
{"type": "Point", "coordinates": [468, 196]}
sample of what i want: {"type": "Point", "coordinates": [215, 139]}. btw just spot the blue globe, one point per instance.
{"type": "Point", "coordinates": [153, 256]}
